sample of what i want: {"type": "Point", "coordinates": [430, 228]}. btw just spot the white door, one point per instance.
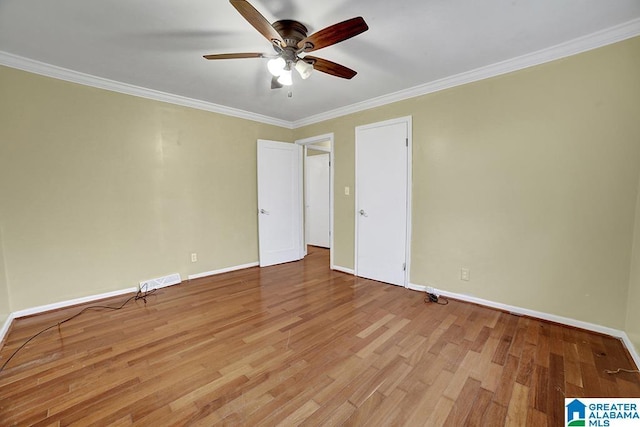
{"type": "Point", "coordinates": [382, 176]}
{"type": "Point", "coordinates": [279, 202]}
{"type": "Point", "coordinates": [317, 200]}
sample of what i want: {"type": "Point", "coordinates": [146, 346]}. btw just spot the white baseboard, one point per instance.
{"type": "Point", "coordinates": [57, 305]}
{"type": "Point", "coordinates": [631, 348]}
{"type": "Point", "coordinates": [222, 270]}
{"type": "Point", "coordinates": [344, 269]}
{"type": "Point", "coordinates": [76, 301]}
{"type": "Point", "coordinates": [539, 315]}
{"type": "Point", "coordinates": [5, 328]}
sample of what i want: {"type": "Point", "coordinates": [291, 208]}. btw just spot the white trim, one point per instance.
{"type": "Point", "coordinates": [315, 139]}
{"type": "Point", "coordinates": [631, 348]}
{"type": "Point", "coordinates": [409, 120]}
{"type": "Point", "coordinates": [595, 40]}
{"type": "Point", "coordinates": [312, 140]}
{"type": "Point", "coordinates": [419, 288]}
{"type": "Point", "coordinates": [344, 270]}
{"type": "Point", "coordinates": [302, 246]}
{"type": "Point", "coordinates": [5, 328]}
{"type": "Point", "coordinates": [44, 69]}
{"type": "Point", "coordinates": [222, 270]}
{"type": "Point", "coordinates": [68, 303]}
{"type": "Point", "coordinates": [538, 315]}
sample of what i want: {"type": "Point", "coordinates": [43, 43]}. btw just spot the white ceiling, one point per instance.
{"type": "Point", "coordinates": [158, 44]}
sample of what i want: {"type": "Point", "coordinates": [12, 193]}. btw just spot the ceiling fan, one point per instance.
{"type": "Point", "coordinates": [291, 44]}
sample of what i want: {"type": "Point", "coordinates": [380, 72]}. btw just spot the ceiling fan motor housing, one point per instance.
{"type": "Point", "coordinates": [292, 32]}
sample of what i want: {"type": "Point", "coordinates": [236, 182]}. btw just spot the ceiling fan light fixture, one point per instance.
{"type": "Point", "coordinates": [276, 66]}
{"type": "Point", "coordinates": [304, 68]}
{"type": "Point", "coordinates": [285, 78]}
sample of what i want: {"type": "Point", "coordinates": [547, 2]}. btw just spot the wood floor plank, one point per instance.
{"type": "Point", "coordinates": [463, 404]}
{"type": "Point", "coordinates": [440, 413]}
{"type": "Point", "coordinates": [557, 389]}
{"type": "Point", "coordinates": [334, 416]}
{"type": "Point", "coordinates": [542, 388]}
{"type": "Point", "coordinates": [300, 344]}
{"type": "Point", "coordinates": [480, 405]}
{"type": "Point", "coordinates": [518, 406]}
{"type": "Point", "coordinates": [300, 414]}
{"type": "Point", "coordinates": [388, 410]}
{"type": "Point", "coordinates": [526, 366]}
{"type": "Point", "coordinates": [536, 418]}
{"type": "Point", "coordinates": [362, 414]}
{"type": "Point", "coordinates": [505, 386]}
{"type": "Point", "coordinates": [495, 415]}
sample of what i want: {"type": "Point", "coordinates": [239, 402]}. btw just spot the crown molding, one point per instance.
{"type": "Point", "coordinates": [595, 40]}
{"type": "Point", "coordinates": [48, 70]}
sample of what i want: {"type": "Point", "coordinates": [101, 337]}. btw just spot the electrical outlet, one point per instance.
{"type": "Point", "coordinates": [346, 191]}
{"type": "Point", "coordinates": [194, 257]}
{"type": "Point", "coordinates": [464, 274]}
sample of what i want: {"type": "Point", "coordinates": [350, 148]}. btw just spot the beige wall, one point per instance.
{"type": "Point", "coordinates": [311, 152]}
{"type": "Point", "coordinates": [5, 306]}
{"type": "Point", "coordinates": [102, 190]}
{"type": "Point", "coordinates": [633, 302]}
{"type": "Point", "coordinates": [529, 179]}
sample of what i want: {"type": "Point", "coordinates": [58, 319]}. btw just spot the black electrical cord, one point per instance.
{"type": "Point", "coordinates": [138, 296]}
{"type": "Point", "coordinates": [436, 299]}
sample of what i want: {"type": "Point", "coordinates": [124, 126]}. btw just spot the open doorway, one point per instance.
{"type": "Point", "coordinates": [318, 192]}
{"type": "Point", "coordinates": [316, 198]}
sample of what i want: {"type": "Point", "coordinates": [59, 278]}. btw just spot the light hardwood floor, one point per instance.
{"type": "Point", "coordinates": [298, 344]}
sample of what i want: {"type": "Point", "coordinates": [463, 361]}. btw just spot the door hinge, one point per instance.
{"type": "Point", "coordinates": [404, 266]}
{"type": "Point", "coordinates": [406, 142]}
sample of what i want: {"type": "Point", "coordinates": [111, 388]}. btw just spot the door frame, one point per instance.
{"type": "Point", "coordinates": [304, 143]}
{"type": "Point", "coordinates": [408, 121]}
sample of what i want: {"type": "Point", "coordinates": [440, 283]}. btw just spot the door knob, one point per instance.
{"type": "Point", "coordinates": [263, 212]}
{"type": "Point", "coordinates": [363, 213]}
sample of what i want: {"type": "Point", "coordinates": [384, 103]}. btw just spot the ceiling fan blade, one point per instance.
{"type": "Point", "coordinates": [326, 66]}
{"type": "Point", "coordinates": [334, 34]}
{"type": "Point", "coordinates": [234, 55]}
{"type": "Point", "coordinates": [256, 19]}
